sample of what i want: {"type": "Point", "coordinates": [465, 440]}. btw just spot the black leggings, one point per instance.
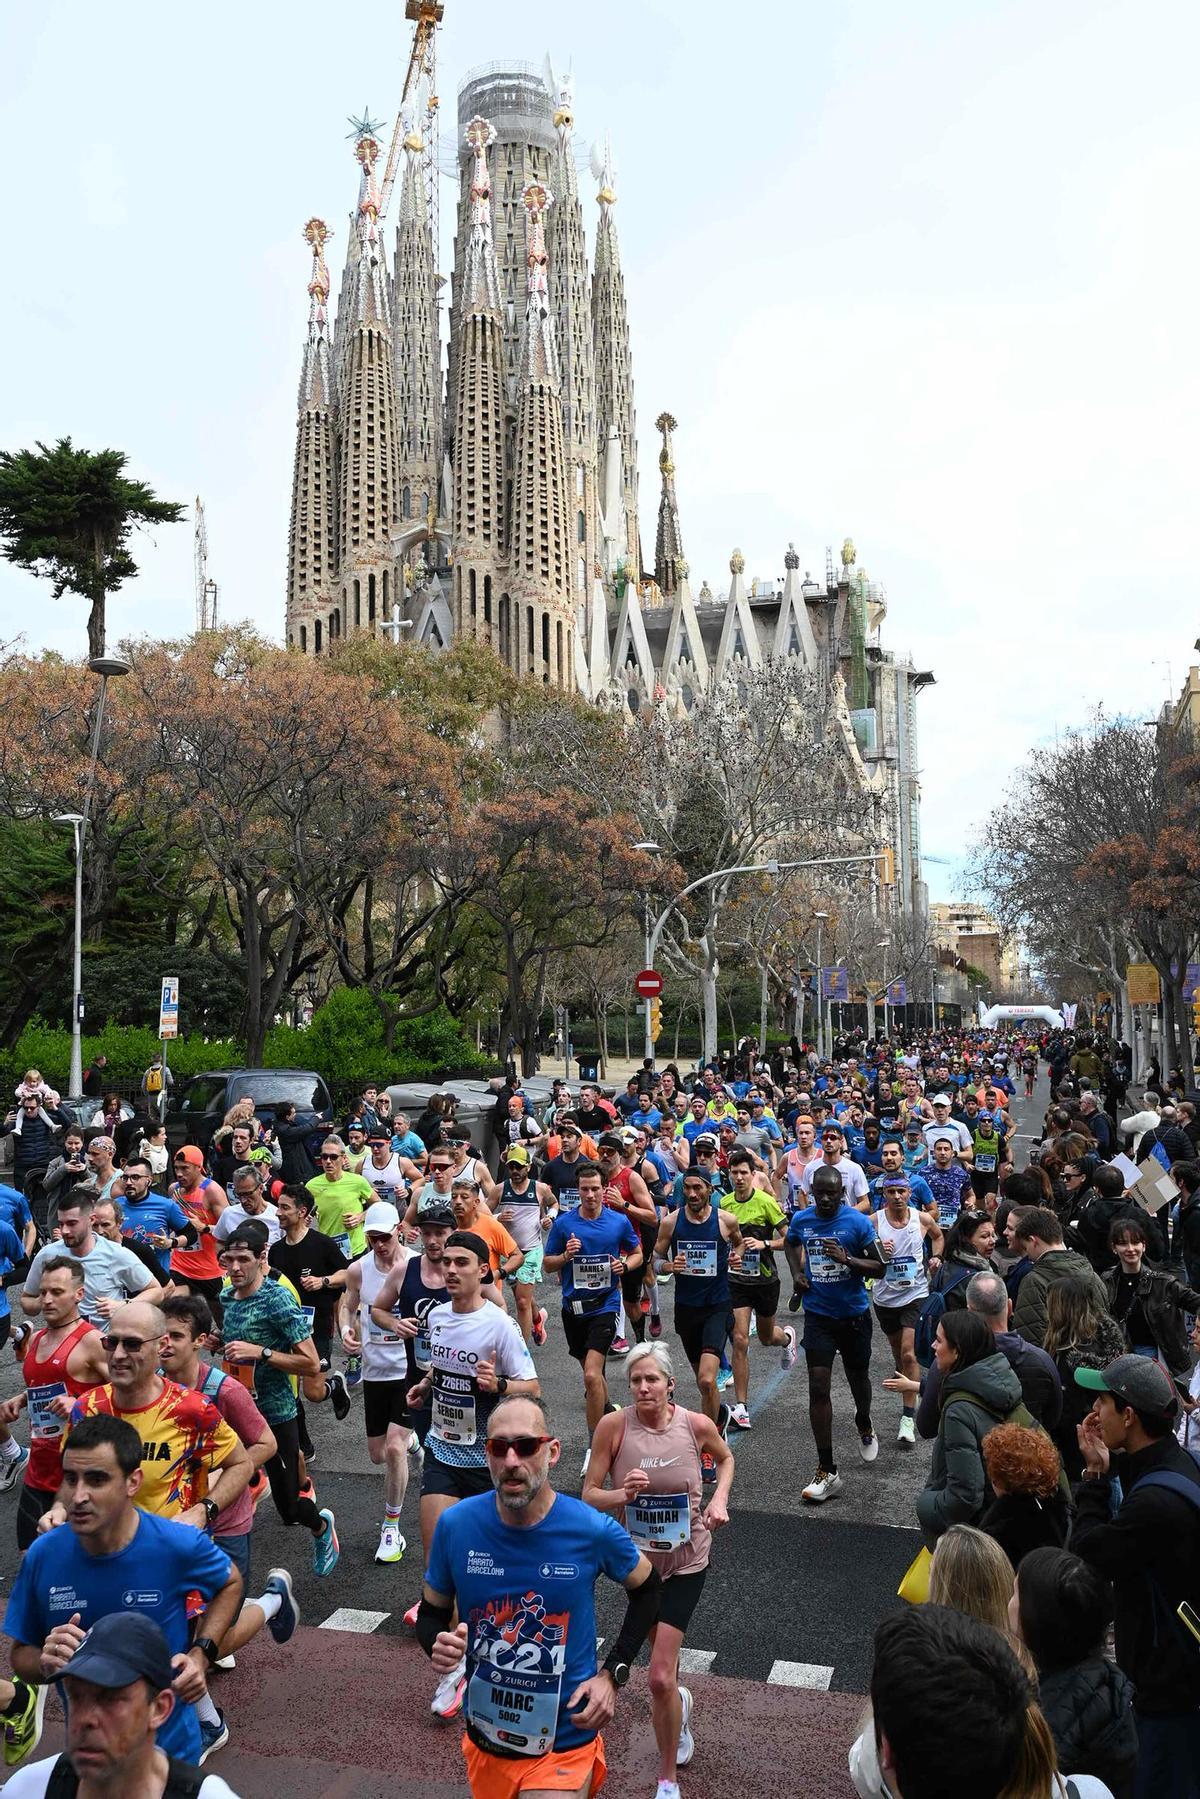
{"type": "Point", "coordinates": [283, 1472]}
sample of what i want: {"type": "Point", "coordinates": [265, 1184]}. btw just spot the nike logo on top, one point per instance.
{"type": "Point", "coordinates": [657, 1461]}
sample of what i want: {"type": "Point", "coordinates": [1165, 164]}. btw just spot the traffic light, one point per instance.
{"type": "Point", "coordinates": [655, 1020]}
{"type": "Point", "coordinates": [886, 867]}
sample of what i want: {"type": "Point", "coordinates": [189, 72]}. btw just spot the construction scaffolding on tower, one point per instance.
{"type": "Point", "coordinates": [206, 590]}
{"type": "Point", "coordinates": [418, 111]}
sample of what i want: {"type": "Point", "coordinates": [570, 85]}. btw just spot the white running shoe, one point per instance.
{"type": "Point", "coordinates": [868, 1447]}
{"type": "Point", "coordinates": [906, 1436]}
{"type": "Point", "coordinates": [448, 1697]}
{"type": "Point", "coordinates": [667, 1789]}
{"type": "Point", "coordinates": [787, 1355]}
{"type": "Point", "coordinates": [587, 1456]}
{"type": "Point", "coordinates": [687, 1746]}
{"type": "Point", "coordinates": [11, 1469]}
{"type": "Point", "coordinates": [822, 1487]}
{"type": "Point", "coordinates": [740, 1416]}
{"type": "Point", "coordinates": [391, 1544]}
{"type": "Point", "coordinates": [753, 1331]}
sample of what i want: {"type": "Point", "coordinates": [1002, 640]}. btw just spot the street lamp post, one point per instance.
{"type": "Point", "coordinates": [884, 947]}
{"type": "Point", "coordinates": [649, 848]}
{"type": "Point", "coordinates": [108, 667]}
{"type": "Point", "coordinates": [820, 918]}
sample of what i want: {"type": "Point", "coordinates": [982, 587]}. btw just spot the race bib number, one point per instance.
{"type": "Point", "coordinates": [751, 1267]}
{"type": "Point", "coordinates": [947, 1211]}
{"type": "Point", "coordinates": [516, 1678]}
{"type": "Point", "coordinates": [986, 1164]}
{"type": "Point", "coordinates": [453, 1417]}
{"type": "Point", "coordinates": [43, 1424]}
{"type": "Point", "coordinates": [822, 1269]}
{"type": "Point", "coordinates": [902, 1270]}
{"type": "Point", "coordinates": [343, 1243]}
{"type": "Point", "coordinates": [701, 1259]}
{"type": "Point", "coordinates": [309, 1314]}
{"type": "Point", "coordinates": [592, 1274]}
{"type": "Point", "coordinates": [660, 1520]}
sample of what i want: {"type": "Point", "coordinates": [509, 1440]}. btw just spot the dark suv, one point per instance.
{"type": "Point", "coordinates": [198, 1105]}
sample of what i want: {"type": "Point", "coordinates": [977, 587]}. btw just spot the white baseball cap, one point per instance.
{"type": "Point", "coordinates": [382, 1216]}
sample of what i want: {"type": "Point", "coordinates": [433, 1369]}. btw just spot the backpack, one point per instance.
{"type": "Point", "coordinates": [212, 1383]}
{"type": "Point", "coordinates": [932, 1312]}
{"type": "Point", "coordinates": [154, 1080]}
{"type": "Point", "coordinates": [1189, 1491]}
{"type": "Point", "coordinates": [183, 1781]}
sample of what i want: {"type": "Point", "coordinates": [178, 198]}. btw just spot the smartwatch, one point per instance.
{"type": "Point", "coordinates": [212, 1510]}
{"type": "Point", "coordinates": [619, 1673]}
{"type": "Point", "coordinates": [266, 1355]}
{"type": "Point", "coordinates": [502, 1384]}
{"type": "Point", "coordinates": [212, 1653]}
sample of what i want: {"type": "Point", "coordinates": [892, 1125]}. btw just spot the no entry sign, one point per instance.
{"type": "Point", "coordinates": [649, 983]}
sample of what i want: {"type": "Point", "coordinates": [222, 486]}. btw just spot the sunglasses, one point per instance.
{"type": "Point", "coordinates": [440, 1167]}
{"type": "Point", "coordinates": [130, 1345]}
{"type": "Point", "coordinates": [524, 1447]}
{"type": "Point", "coordinates": [332, 1157]}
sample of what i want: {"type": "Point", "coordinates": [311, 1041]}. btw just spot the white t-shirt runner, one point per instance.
{"type": "Point", "coordinates": [854, 1181]}
{"type": "Point", "coordinates": [458, 1342]}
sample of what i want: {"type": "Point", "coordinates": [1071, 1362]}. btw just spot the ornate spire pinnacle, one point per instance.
{"type": "Point", "coordinates": [366, 149]}
{"type": "Point", "coordinates": [312, 539]}
{"type": "Point", "coordinates": [316, 364]}
{"type": "Point", "coordinates": [610, 338]}
{"type": "Point", "coordinates": [539, 351]}
{"type": "Point", "coordinates": [481, 279]}
{"type": "Point", "coordinates": [669, 564]}
{"type": "Point", "coordinates": [791, 559]}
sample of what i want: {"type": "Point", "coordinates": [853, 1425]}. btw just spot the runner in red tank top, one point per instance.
{"type": "Point", "coordinates": [61, 1362]}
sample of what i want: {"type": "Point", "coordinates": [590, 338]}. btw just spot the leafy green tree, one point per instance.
{"type": "Point", "coordinates": [67, 514]}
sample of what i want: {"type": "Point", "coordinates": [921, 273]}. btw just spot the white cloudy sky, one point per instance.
{"type": "Point", "coordinates": [920, 271]}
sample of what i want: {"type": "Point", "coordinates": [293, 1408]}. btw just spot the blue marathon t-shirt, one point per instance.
{"type": "Point", "coordinates": [161, 1564]}
{"type": "Point", "coordinates": [589, 1284]}
{"type": "Point", "coordinates": [528, 1600]}
{"type": "Point", "coordinates": [149, 1218]}
{"type": "Point", "coordinates": [948, 1185]}
{"type": "Point", "coordinates": [834, 1291]}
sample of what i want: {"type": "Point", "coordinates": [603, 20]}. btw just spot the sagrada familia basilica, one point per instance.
{"type": "Point", "coordinates": [494, 493]}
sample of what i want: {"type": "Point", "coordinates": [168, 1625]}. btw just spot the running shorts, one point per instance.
{"type": "Point", "coordinates": [702, 1330]}
{"type": "Point", "coordinates": [894, 1319]}
{"type": "Point", "coordinates": [827, 1338]}
{"type": "Point", "coordinates": [384, 1402]}
{"type": "Point", "coordinates": [679, 1598]}
{"type": "Point", "coordinates": [530, 1271]}
{"type": "Point", "coordinates": [584, 1332]}
{"type": "Point", "coordinates": [454, 1483]}
{"type": "Point", "coordinates": [561, 1771]}
{"type": "Point", "coordinates": [762, 1295]}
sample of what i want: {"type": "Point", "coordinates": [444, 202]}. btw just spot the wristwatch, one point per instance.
{"type": "Point", "coordinates": [619, 1673]}
{"type": "Point", "coordinates": [502, 1384]}
{"type": "Point", "coordinates": [267, 1354]}
{"type": "Point", "coordinates": [212, 1654]}
{"type": "Point", "coordinates": [212, 1510]}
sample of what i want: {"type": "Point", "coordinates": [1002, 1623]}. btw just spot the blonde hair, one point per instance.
{"type": "Point", "coordinates": [1037, 1765]}
{"type": "Point", "coordinates": [970, 1573]}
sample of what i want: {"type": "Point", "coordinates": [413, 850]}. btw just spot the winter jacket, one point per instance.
{"type": "Point", "coordinates": [1107, 1345]}
{"type": "Point", "coordinates": [1175, 1142]}
{"type": "Point", "coordinates": [1164, 1301]}
{"type": "Point", "coordinates": [1150, 1551]}
{"type": "Point", "coordinates": [296, 1165]}
{"type": "Point", "coordinates": [1041, 1386]}
{"type": "Point", "coordinates": [1097, 1217]}
{"type": "Point", "coordinates": [37, 1141]}
{"type": "Point", "coordinates": [1020, 1522]}
{"type": "Point", "coordinates": [1029, 1312]}
{"type": "Point", "coordinates": [973, 1402]}
{"type": "Point", "coordinates": [1089, 1709]}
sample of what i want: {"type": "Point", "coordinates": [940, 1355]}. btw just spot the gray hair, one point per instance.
{"type": "Point", "coordinates": [987, 1296]}
{"type": "Point", "coordinates": [650, 1352]}
{"type": "Point", "coordinates": [249, 1171]}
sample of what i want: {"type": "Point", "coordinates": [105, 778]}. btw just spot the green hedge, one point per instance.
{"type": "Point", "coordinates": [345, 1043]}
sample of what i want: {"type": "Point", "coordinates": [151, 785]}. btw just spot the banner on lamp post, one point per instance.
{"type": "Point", "coordinates": [897, 993]}
{"type": "Point", "coordinates": [835, 983]}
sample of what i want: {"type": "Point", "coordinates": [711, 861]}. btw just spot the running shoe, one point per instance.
{"type": "Point", "coordinates": [226, 1663]}
{"type": "Point", "coordinates": [354, 1370]}
{"type": "Point", "coordinates": [619, 1346]}
{"type": "Point", "coordinates": [644, 1303]}
{"type": "Point", "coordinates": [787, 1355]}
{"type": "Point", "coordinates": [308, 1491]}
{"type": "Point", "coordinates": [687, 1747]}
{"type": "Point", "coordinates": [11, 1470]}
{"type": "Point", "coordinates": [667, 1789]}
{"type": "Point", "coordinates": [796, 1301]}
{"type": "Point", "coordinates": [906, 1436]}
{"type": "Point", "coordinates": [448, 1697]}
{"type": "Point", "coordinates": [868, 1445]}
{"type": "Point", "coordinates": [410, 1616]}
{"type": "Point", "coordinates": [822, 1487]}
{"type": "Point", "coordinates": [753, 1331]}
{"type": "Point", "coordinates": [724, 1379]}
{"type": "Point", "coordinates": [259, 1487]}
{"type": "Point", "coordinates": [538, 1329]}
{"type": "Point", "coordinates": [723, 1417]}
{"type": "Point", "coordinates": [337, 1390]}
{"type": "Point", "coordinates": [326, 1548]}
{"type": "Point", "coordinates": [656, 1326]}
{"type": "Point", "coordinates": [740, 1416]}
{"type": "Point", "coordinates": [22, 1722]}
{"type": "Point", "coordinates": [391, 1545]}
{"type": "Point", "coordinates": [283, 1624]}
{"type": "Point", "coordinates": [212, 1737]}
{"type": "Point", "coordinates": [309, 1454]}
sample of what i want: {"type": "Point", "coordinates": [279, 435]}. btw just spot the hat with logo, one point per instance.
{"type": "Point", "coordinates": [121, 1648]}
{"type": "Point", "coordinates": [1133, 1380]}
{"type": "Point", "coordinates": [517, 1156]}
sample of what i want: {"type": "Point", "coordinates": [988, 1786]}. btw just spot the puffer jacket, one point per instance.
{"type": "Point", "coordinates": [973, 1402]}
{"type": "Point", "coordinates": [1089, 1709]}
{"type": "Point", "coordinates": [1029, 1311]}
{"type": "Point", "coordinates": [1164, 1300]}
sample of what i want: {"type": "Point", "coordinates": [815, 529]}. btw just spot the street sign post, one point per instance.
{"type": "Point", "coordinates": [168, 1028]}
{"type": "Point", "coordinates": [648, 984]}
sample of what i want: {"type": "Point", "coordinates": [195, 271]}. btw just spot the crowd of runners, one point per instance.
{"type": "Point", "coordinates": [177, 1318]}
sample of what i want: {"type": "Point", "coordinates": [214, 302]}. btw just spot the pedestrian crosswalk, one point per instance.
{"type": "Point", "coordinates": [814, 1675]}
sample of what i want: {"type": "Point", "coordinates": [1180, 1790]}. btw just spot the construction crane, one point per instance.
{"type": "Point", "coordinates": [206, 590]}
{"type": "Point", "coordinates": [417, 116]}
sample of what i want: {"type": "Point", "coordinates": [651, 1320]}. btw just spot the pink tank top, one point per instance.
{"type": "Point", "coordinates": [666, 1522]}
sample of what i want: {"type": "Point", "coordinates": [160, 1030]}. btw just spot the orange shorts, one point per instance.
{"type": "Point", "coordinates": [562, 1771]}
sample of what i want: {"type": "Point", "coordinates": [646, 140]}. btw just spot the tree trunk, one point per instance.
{"type": "Point", "coordinates": [710, 968]}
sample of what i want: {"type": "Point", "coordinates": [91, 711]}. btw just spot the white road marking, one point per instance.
{"type": "Point", "coordinates": [348, 1617]}
{"type": "Point", "coordinates": [800, 1674]}
{"type": "Point", "coordinates": [696, 1661]}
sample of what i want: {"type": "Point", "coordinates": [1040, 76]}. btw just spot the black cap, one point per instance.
{"type": "Point", "coordinates": [122, 1648]}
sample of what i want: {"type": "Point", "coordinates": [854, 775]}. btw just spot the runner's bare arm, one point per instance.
{"type": "Point", "coordinates": [604, 1447]}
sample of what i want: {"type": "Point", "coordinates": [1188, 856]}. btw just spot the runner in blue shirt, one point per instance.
{"type": "Point", "coordinates": [152, 1218]}
{"type": "Point", "coordinates": [892, 1156]}
{"type": "Point", "coordinates": [948, 1181]}
{"type": "Point", "coordinates": [831, 1250]}
{"type": "Point", "coordinates": [591, 1247]}
{"type": "Point", "coordinates": [521, 1567]}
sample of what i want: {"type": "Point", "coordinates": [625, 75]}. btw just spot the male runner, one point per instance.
{"type": "Point", "coordinates": [753, 1282]}
{"type": "Point", "coordinates": [892, 1154]}
{"type": "Point", "coordinates": [198, 1270]}
{"type": "Point", "coordinates": [903, 1231]}
{"type": "Point", "coordinates": [476, 1356]}
{"type": "Point", "coordinates": [521, 1566]}
{"type": "Point", "coordinates": [831, 1250]}
{"type": "Point", "coordinates": [833, 1155]}
{"type": "Point", "coordinates": [563, 1170]}
{"type": "Point", "coordinates": [384, 1169]}
{"type": "Point", "coordinates": [153, 1218]}
{"type": "Point", "coordinates": [316, 1267]}
{"type": "Point", "coordinates": [436, 1191]}
{"type": "Point", "coordinates": [591, 1247]}
{"type": "Point", "coordinates": [625, 1191]}
{"type": "Point", "coordinates": [948, 1181]}
{"type": "Point", "coordinates": [695, 1241]}
{"type": "Point", "coordinates": [790, 1174]}
{"type": "Point", "coordinates": [267, 1340]}
{"type": "Point", "coordinates": [249, 1202]}
{"type": "Point", "coordinates": [61, 1361]}
{"type": "Point", "coordinates": [112, 1274]}
{"type": "Point", "coordinates": [342, 1199]}
{"type": "Point", "coordinates": [384, 1355]}
{"type": "Point", "coordinates": [522, 1204]}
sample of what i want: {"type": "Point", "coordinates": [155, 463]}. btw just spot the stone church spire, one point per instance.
{"type": "Point", "coordinates": [369, 484]}
{"type": "Point", "coordinates": [610, 336]}
{"type": "Point", "coordinates": [417, 355]}
{"type": "Point", "coordinates": [540, 550]}
{"type": "Point", "coordinates": [312, 542]}
{"type": "Point", "coordinates": [480, 474]}
{"type": "Point", "coordinates": [571, 305]}
{"type": "Point", "coordinates": [669, 564]}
